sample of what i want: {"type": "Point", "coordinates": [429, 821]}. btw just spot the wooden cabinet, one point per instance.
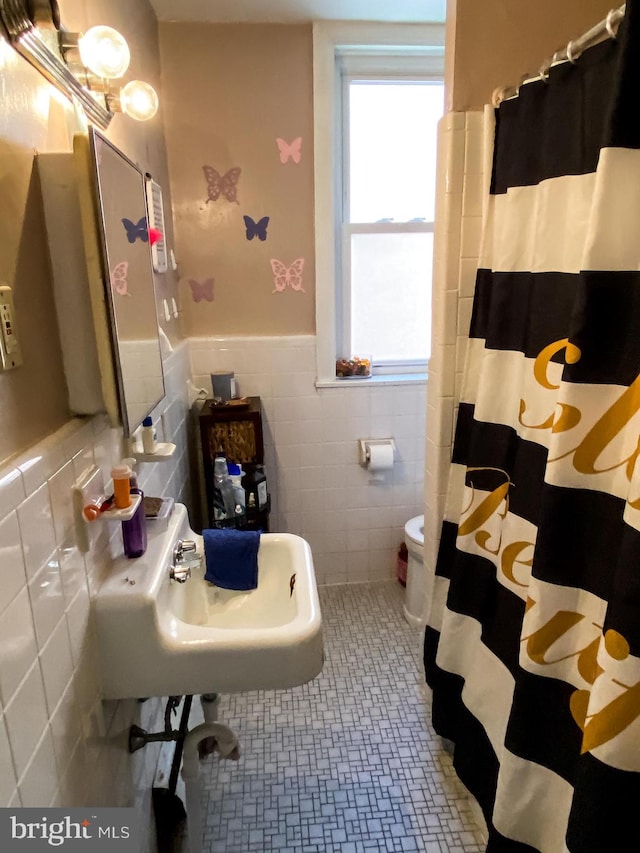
{"type": "Point", "coordinates": [236, 433]}
{"type": "Point", "coordinates": [233, 431]}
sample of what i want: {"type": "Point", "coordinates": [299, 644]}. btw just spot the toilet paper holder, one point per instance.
{"type": "Point", "coordinates": [365, 445]}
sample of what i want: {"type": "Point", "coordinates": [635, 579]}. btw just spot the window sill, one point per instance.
{"type": "Point", "coordinates": [380, 379]}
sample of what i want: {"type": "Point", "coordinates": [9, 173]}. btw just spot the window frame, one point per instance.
{"type": "Point", "coordinates": [411, 51]}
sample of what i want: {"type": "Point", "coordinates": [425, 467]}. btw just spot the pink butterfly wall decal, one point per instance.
{"type": "Point", "coordinates": [119, 281]}
{"type": "Point", "coordinates": [290, 149]}
{"type": "Point", "coordinates": [284, 276]}
{"type": "Point", "coordinates": [225, 185]}
{"type": "Point", "coordinates": [201, 289]}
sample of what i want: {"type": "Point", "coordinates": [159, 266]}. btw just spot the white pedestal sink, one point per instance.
{"type": "Point", "coordinates": [158, 637]}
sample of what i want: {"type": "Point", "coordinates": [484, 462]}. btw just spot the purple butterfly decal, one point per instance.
{"type": "Point", "coordinates": [225, 185]}
{"type": "Point", "coordinates": [136, 230]}
{"type": "Point", "coordinates": [201, 289]}
{"type": "Point", "coordinates": [256, 229]}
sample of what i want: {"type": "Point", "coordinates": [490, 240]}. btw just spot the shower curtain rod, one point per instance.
{"type": "Point", "coordinates": [607, 28]}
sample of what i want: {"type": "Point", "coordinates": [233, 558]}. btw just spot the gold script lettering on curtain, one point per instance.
{"type": "Point", "coordinates": [601, 434]}
{"type": "Point", "coordinates": [616, 714]}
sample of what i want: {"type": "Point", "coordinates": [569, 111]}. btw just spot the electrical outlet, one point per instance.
{"type": "Point", "coordinates": [10, 353]}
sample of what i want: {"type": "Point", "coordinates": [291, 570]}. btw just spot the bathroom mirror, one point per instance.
{"type": "Point", "coordinates": [126, 282]}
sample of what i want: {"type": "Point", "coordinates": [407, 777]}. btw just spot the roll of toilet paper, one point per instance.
{"type": "Point", "coordinates": [379, 458]}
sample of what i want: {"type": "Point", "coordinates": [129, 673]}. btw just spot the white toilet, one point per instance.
{"type": "Point", "coordinates": [416, 592]}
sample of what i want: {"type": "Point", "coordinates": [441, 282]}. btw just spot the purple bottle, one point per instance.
{"type": "Point", "coordinates": [134, 532]}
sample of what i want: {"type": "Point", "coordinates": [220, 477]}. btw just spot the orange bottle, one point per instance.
{"type": "Point", "coordinates": [121, 476]}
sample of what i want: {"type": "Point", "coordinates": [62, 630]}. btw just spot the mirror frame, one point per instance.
{"type": "Point", "coordinates": [99, 275]}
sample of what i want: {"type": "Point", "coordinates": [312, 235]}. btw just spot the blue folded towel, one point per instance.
{"type": "Point", "coordinates": [231, 557]}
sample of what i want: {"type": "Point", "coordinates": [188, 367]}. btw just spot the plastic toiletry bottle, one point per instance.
{"type": "Point", "coordinates": [121, 476]}
{"type": "Point", "coordinates": [235, 472]}
{"type": "Point", "coordinates": [224, 501]}
{"type": "Point", "coordinates": [149, 436]}
{"type": "Point", "coordinates": [134, 531]}
{"type": "Point", "coordinates": [255, 487]}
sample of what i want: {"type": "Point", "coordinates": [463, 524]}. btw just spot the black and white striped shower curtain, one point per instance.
{"type": "Point", "coordinates": [532, 646]}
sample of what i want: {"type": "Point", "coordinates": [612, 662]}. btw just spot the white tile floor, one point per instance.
{"type": "Point", "coordinates": [348, 762]}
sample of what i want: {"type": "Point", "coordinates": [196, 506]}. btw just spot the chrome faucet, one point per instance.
{"type": "Point", "coordinates": [185, 558]}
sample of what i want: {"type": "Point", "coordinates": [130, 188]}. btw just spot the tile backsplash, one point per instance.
{"type": "Point", "coordinates": [319, 490]}
{"type": "Point", "coordinates": [59, 743]}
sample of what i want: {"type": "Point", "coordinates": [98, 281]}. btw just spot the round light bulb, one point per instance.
{"type": "Point", "coordinates": [139, 100]}
{"type": "Point", "coordinates": [105, 52]}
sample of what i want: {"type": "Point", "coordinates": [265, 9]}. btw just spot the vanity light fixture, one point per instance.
{"type": "Point", "coordinates": [104, 52]}
{"type": "Point", "coordinates": [137, 100]}
{"type": "Point", "coordinates": [81, 66]}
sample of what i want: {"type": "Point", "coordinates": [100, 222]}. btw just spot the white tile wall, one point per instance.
{"type": "Point", "coordinates": [461, 190]}
{"type": "Point", "coordinates": [59, 744]}
{"type": "Point", "coordinates": [319, 490]}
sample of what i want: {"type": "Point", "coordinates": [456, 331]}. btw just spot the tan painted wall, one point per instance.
{"type": "Point", "coordinates": [230, 90]}
{"type": "Point", "coordinates": [495, 42]}
{"type": "Point", "coordinates": [34, 117]}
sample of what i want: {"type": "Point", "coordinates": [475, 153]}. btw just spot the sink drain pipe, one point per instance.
{"type": "Point", "coordinates": [168, 809]}
{"type": "Point", "coordinates": [226, 743]}
{"type": "Point", "coordinates": [209, 703]}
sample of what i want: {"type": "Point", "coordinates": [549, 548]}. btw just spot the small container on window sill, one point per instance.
{"type": "Point", "coordinates": [356, 367]}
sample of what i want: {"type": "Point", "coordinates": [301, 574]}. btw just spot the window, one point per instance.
{"type": "Point", "coordinates": [389, 170]}
{"type": "Point", "coordinates": [377, 106]}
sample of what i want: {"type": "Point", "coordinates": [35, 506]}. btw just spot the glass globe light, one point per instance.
{"type": "Point", "coordinates": [105, 52]}
{"type": "Point", "coordinates": [139, 100]}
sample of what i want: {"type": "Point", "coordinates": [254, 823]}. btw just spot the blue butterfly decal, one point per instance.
{"type": "Point", "coordinates": [256, 229]}
{"type": "Point", "coordinates": [136, 230]}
